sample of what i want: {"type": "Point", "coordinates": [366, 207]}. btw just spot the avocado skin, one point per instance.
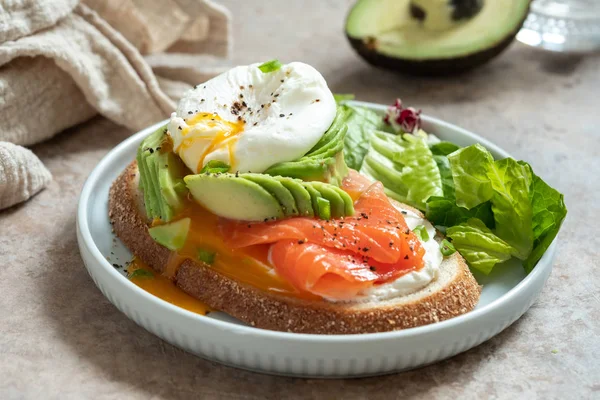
{"type": "Point", "coordinates": [433, 67]}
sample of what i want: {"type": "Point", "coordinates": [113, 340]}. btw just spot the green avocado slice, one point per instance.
{"type": "Point", "coordinates": [315, 197]}
{"type": "Point", "coordinates": [301, 196]}
{"type": "Point", "coordinates": [161, 177]}
{"type": "Point", "coordinates": [338, 207]}
{"type": "Point", "coordinates": [171, 235]}
{"type": "Point", "coordinates": [348, 202]}
{"type": "Point", "coordinates": [154, 186]}
{"type": "Point", "coordinates": [277, 190]}
{"type": "Point", "coordinates": [306, 170]}
{"type": "Point", "coordinates": [322, 162]}
{"type": "Point", "coordinates": [258, 197]}
{"type": "Point", "coordinates": [334, 135]}
{"type": "Point", "coordinates": [233, 197]}
{"type": "Point", "coordinates": [146, 179]}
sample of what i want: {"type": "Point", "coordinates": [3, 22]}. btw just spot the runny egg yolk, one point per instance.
{"type": "Point", "coordinates": [202, 126]}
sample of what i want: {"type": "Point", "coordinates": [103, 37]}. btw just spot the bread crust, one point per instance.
{"type": "Point", "coordinates": [282, 313]}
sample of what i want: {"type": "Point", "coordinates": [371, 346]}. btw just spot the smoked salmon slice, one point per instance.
{"type": "Point", "coordinates": [337, 259]}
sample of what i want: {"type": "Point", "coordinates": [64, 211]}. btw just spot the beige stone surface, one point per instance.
{"type": "Point", "coordinates": [60, 338]}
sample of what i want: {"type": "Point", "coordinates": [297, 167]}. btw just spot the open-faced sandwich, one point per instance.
{"type": "Point", "coordinates": [268, 198]}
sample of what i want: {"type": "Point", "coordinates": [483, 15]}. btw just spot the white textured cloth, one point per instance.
{"type": "Point", "coordinates": [22, 174]}
{"type": "Point", "coordinates": [62, 61]}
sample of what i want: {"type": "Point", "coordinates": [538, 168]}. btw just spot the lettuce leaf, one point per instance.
{"type": "Point", "coordinates": [478, 245]}
{"type": "Point", "coordinates": [470, 166]}
{"type": "Point", "coordinates": [443, 148]}
{"type": "Point", "coordinates": [443, 165]}
{"type": "Point", "coordinates": [362, 122]}
{"type": "Point", "coordinates": [420, 172]}
{"type": "Point", "coordinates": [511, 205]}
{"type": "Point", "coordinates": [405, 166]}
{"type": "Point", "coordinates": [443, 211]}
{"type": "Point", "coordinates": [549, 212]}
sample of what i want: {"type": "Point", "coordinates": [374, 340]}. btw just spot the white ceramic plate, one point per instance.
{"type": "Point", "coordinates": [507, 294]}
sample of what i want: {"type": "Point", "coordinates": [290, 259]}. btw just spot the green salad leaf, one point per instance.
{"type": "Point", "coordinates": [443, 148]}
{"type": "Point", "coordinates": [443, 165]}
{"type": "Point", "coordinates": [340, 97]}
{"type": "Point", "coordinates": [443, 211]}
{"type": "Point", "coordinates": [511, 205]}
{"type": "Point", "coordinates": [405, 166]}
{"type": "Point", "coordinates": [478, 245]}
{"type": "Point", "coordinates": [549, 211]}
{"type": "Point", "coordinates": [361, 122]}
{"type": "Point", "coordinates": [470, 166]}
{"type": "Point", "coordinates": [419, 170]}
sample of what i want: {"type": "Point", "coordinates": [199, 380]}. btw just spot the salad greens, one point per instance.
{"type": "Point", "coordinates": [478, 245]}
{"type": "Point", "coordinates": [361, 123]}
{"type": "Point", "coordinates": [405, 166]}
{"type": "Point", "coordinates": [491, 210]}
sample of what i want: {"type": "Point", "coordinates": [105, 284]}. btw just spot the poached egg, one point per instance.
{"type": "Point", "coordinates": [251, 119]}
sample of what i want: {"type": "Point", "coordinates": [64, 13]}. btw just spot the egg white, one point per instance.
{"type": "Point", "coordinates": [279, 116]}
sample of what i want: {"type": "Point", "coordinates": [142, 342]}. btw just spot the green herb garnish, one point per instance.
{"type": "Point", "coordinates": [342, 97]}
{"type": "Point", "coordinates": [270, 66]}
{"type": "Point", "coordinates": [141, 273]}
{"type": "Point", "coordinates": [447, 248]}
{"type": "Point", "coordinates": [215, 167]}
{"type": "Point", "coordinates": [206, 256]}
{"type": "Point", "coordinates": [421, 232]}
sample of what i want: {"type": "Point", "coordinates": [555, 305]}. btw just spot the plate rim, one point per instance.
{"type": "Point", "coordinates": [87, 240]}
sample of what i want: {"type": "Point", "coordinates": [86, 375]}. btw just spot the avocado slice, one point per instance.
{"type": "Point", "coordinates": [171, 235]}
{"type": "Point", "coordinates": [324, 208]}
{"type": "Point", "coordinates": [277, 190]}
{"type": "Point", "coordinates": [258, 197]}
{"type": "Point", "coordinates": [301, 196]}
{"type": "Point", "coordinates": [304, 169]}
{"type": "Point", "coordinates": [161, 177]}
{"type": "Point", "coordinates": [146, 150]}
{"type": "Point", "coordinates": [321, 163]}
{"type": "Point", "coordinates": [317, 202]}
{"type": "Point", "coordinates": [171, 171]}
{"type": "Point", "coordinates": [432, 37]}
{"type": "Point", "coordinates": [231, 196]}
{"type": "Point", "coordinates": [154, 187]}
{"type": "Point", "coordinates": [341, 203]}
{"type": "Point", "coordinates": [335, 200]}
{"type": "Point", "coordinates": [348, 202]}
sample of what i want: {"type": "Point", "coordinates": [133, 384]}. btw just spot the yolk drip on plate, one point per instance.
{"type": "Point", "coordinates": [227, 135]}
{"type": "Point", "coordinates": [163, 288]}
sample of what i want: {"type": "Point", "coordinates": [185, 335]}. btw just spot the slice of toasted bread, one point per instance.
{"type": "Point", "coordinates": [453, 293]}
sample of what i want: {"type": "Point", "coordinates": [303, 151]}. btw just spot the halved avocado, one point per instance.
{"type": "Point", "coordinates": [433, 37]}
